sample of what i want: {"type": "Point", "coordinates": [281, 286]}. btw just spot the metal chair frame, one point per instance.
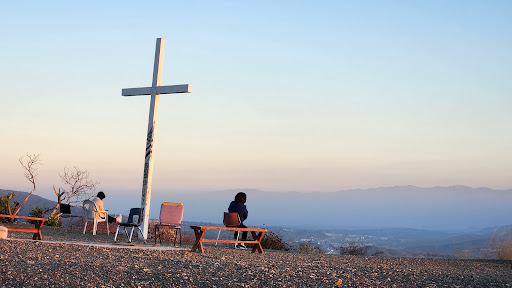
{"type": "Point", "coordinates": [131, 223]}
{"type": "Point", "coordinates": [174, 226]}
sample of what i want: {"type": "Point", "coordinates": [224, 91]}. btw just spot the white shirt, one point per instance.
{"type": "Point", "coordinates": [99, 206]}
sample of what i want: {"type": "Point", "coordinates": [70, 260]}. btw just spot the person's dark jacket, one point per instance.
{"type": "Point", "coordinates": [239, 208]}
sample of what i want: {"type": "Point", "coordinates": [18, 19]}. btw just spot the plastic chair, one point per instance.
{"type": "Point", "coordinates": [171, 215]}
{"type": "Point", "coordinates": [231, 219]}
{"type": "Point", "coordinates": [133, 223]}
{"type": "Point", "coordinates": [91, 213]}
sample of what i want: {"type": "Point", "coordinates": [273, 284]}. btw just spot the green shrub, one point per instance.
{"type": "Point", "coordinates": [274, 241]}
{"type": "Point", "coordinates": [54, 220]}
{"type": "Point", "coordinates": [37, 212]}
{"type": "Point", "coordinates": [4, 207]}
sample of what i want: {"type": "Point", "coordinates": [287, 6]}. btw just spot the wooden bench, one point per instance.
{"type": "Point", "coordinates": [38, 223]}
{"type": "Point", "coordinates": [257, 235]}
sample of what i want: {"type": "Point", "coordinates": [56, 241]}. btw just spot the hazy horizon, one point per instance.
{"type": "Point", "coordinates": [454, 209]}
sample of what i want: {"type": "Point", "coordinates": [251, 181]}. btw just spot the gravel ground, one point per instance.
{"type": "Point", "coordinates": [40, 264]}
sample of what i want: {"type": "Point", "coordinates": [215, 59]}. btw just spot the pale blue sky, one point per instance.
{"type": "Point", "coordinates": [288, 95]}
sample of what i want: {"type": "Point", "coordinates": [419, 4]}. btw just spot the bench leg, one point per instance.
{"type": "Point", "coordinates": [37, 235]}
{"type": "Point", "coordinates": [199, 243]}
{"type": "Point", "coordinates": [257, 237]}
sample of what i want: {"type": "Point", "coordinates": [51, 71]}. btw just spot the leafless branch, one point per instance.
{"type": "Point", "coordinates": [80, 186]}
{"type": "Point", "coordinates": [30, 165]}
{"type": "Point", "coordinates": [59, 195]}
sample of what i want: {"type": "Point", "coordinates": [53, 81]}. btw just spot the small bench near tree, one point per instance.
{"type": "Point", "coordinates": [38, 224]}
{"type": "Point", "coordinates": [257, 235]}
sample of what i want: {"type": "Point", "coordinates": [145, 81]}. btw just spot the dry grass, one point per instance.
{"type": "Point", "coordinates": [309, 248]}
{"type": "Point", "coordinates": [354, 248]}
{"type": "Point", "coordinates": [274, 241]}
{"type": "Point", "coordinates": [169, 234]}
{"type": "Point", "coordinates": [502, 244]}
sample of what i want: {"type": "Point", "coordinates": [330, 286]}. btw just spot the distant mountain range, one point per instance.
{"type": "Point", "coordinates": [34, 201]}
{"type": "Point", "coordinates": [455, 208]}
{"type": "Point", "coordinates": [403, 221]}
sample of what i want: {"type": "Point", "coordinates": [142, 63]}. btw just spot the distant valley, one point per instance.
{"type": "Point", "coordinates": [403, 221]}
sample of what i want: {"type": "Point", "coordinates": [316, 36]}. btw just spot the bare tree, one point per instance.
{"type": "Point", "coordinates": [59, 194]}
{"type": "Point", "coordinates": [79, 187]}
{"type": "Point", "coordinates": [30, 165]}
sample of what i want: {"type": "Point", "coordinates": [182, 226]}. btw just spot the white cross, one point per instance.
{"type": "Point", "coordinates": [155, 90]}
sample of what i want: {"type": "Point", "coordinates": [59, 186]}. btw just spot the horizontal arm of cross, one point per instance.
{"type": "Point", "coordinates": [184, 88]}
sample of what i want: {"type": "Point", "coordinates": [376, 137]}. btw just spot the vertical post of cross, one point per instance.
{"type": "Point", "coordinates": [153, 118]}
{"type": "Point", "coordinates": [155, 90]}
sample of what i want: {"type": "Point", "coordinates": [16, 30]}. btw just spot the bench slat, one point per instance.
{"type": "Point", "coordinates": [230, 241]}
{"type": "Point", "coordinates": [23, 217]}
{"type": "Point", "coordinates": [228, 228]}
{"type": "Point", "coordinates": [21, 229]}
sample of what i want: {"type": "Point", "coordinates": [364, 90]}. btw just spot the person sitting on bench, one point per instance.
{"type": "Point", "coordinates": [239, 207]}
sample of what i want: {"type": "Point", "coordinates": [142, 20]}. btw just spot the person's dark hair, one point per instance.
{"type": "Point", "coordinates": [241, 197]}
{"type": "Point", "coordinates": [101, 195]}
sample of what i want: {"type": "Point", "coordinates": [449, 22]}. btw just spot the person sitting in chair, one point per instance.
{"type": "Point", "coordinates": [99, 205]}
{"type": "Point", "coordinates": [239, 207]}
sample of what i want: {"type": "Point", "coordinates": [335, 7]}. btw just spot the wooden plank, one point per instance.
{"type": "Point", "coordinates": [228, 228]}
{"type": "Point", "coordinates": [231, 241]}
{"type": "Point", "coordinates": [136, 91]}
{"type": "Point", "coordinates": [198, 244]}
{"type": "Point", "coordinates": [257, 247]}
{"type": "Point", "coordinates": [171, 89]}
{"type": "Point", "coordinates": [21, 229]}
{"type": "Point", "coordinates": [23, 217]}
{"type": "Point", "coordinates": [183, 88]}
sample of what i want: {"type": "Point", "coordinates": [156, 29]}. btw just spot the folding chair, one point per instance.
{"type": "Point", "coordinates": [171, 215]}
{"type": "Point", "coordinates": [133, 223]}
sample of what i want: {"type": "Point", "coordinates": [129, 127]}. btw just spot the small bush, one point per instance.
{"type": "Point", "coordinates": [309, 248]}
{"type": "Point", "coordinates": [502, 244]}
{"type": "Point", "coordinates": [37, 212]}
{"type": "Point", "coordinates": [274, 241]}
{"type": "Point", "coordinates": [54, 220]}
{"type": "Point", "coordinates": [4, 207]}
{"type": "Point", "coordinates": [354, 248]}
{"type": "Point", "coordinates": [188, 238]}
